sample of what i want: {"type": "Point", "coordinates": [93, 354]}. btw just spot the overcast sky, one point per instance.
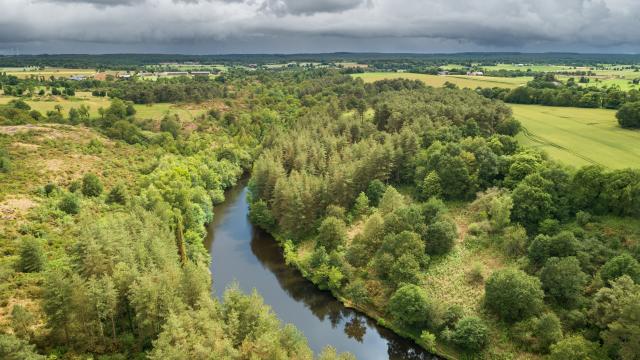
{"type": "Point", "coordinates": [295, 26]}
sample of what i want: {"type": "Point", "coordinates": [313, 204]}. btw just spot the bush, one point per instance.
{"type": "Point", "coordinates": [549, 227]}
{"type": "Point", "coordinates": [428, 340]}
{"type": "Point", "coordinates": [5, 163]}
{"type": "Point", "coordinates": [405, 270]}
{"type": "Point", "coordinates": [32, 257]}
{"type": "Point", "coordinates": [560, 245]}
{"type": "Point", "coordinates": [513, 295]}
{"type": "Point", "coordinates": [74, 186]}
{"type": "Point", "coordinates": [91, 185]}
{"type": "Point", "coordinates": [620, 265]}
{"type": "Point", "coordinates": [49, 189]}
{"type": "Point", "coordinates": [563, 280]}
{"type": "Point", "coordinates": [117, 195]}
{"type": "Point", "coordinates": [538, 334]}
{"type": "Point", "coordinates": [430, 186]}
{"type": "Point", "coordinates": [261, 216]}
{"type": "Point", "coordinates": [332, 233]}
{"type": "Point", "coordinates": [357, 292]}
{"type": "Point", "coordinates": [629, 115]}
{"type": "Point", "coordinates": [471, 334]}
{"type": "Point", "coordinates": [69, 204]}
{"type": "Point", "coordinates": [583, 218]}
{"type": "Point", "coordinates": [475, 276]}
{"type": "Point", "coordinates": [576, 348]}
{"type": "Point", "coordinates": [440, 237]}
{"type": "Point", "coordinates": [509, 127]}
{"type": "Point", "coordinates": [410, 306]}
{"type": "Point", "coordinates": [514, 241]}
{"type": "Point", "coordinates": [375, 190]}
{"type": "Point", "coordinates": [361, 206]}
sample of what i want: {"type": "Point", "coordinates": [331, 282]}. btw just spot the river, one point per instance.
{"type": "Point", "coordinates": [252, 258]}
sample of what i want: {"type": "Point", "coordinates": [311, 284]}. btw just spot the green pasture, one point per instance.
{"type": "Point", "coordinates": [577, 136]}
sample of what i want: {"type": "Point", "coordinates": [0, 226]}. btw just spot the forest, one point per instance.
{"type": "Point", "coordinates": [368, 188]}
{"type": "Point", "coordinates": [362, 207]}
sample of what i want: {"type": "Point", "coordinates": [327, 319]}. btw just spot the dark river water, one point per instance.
{"type": "Point", "coordinates": [253, 259]}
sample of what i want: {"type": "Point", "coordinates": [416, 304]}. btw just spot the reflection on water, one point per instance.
{"type": "Point", "coordinates": [254, 260]}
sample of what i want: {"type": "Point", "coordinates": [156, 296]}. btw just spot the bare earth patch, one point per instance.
{"type": "Point", "coordinates": [25, 146]}
{"type": "Point", "coordinates": [21, 129]}
{"type": "Point", "coordinates": [16, 206]}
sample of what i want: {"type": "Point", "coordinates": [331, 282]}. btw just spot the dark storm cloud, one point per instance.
{"type": "Point", "coordinates": [310, 7]}
{"type": "Point", "coordinates": [95, 2]}
{"type": "Point", "coordinates": [329, 25]}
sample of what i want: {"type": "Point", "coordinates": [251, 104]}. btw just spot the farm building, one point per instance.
{"type": "Point", "coordinates": [201, 73]}
{"type": "Point", "coordinates": [77, 77]}
{"type": "Point", "coordinates": [175, 73]}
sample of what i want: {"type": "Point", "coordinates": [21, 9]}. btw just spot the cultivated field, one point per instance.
{"type": "Point", "coordinates": [48, 72]}
{"type": "Point", "coordinates": [579, 136]}
{"type": "Point", "coordinates": [462, 81]}
{"type": "Point", "coordinates": [155, 111]}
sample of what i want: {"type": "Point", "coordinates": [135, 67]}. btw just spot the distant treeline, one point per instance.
{"type": "Point", "coordinates": [546, 90]}
{"type": "Point", "coordinates": [377, 60]}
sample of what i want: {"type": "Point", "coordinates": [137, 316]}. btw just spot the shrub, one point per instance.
{"type": "Point", "coordinates": [361, 206]}
{"type": "Point", "coordinates": [117, 195]}
{"type": "Point", "coordinates": [475, 275]}
{"type": "Point", "coordinates": [563, 280]}
{"type": "Point", "coordinates": [261, 216]}
{"type": "Point", "coordinates": [560, 245]}
{"type": "Point", "coordinates": [509, 127]}
{"type": "Point", "coordinates": [410, 306]}
{"type": "Point", "coordinates": [357, 292]}
{"type": "Point", "coordinates": [91, 185]}
{"type": "Point", "coordinates": [440, 237]}
{"type": "Point", "coordinates": [74, 186]}
{"type": "Point", "coordinates": [405, 270]}
{"type": "Point", "coordinates": [629, 115]}
{"type": "Point", "coordinates": [5, 163]}
{"type": "Point", "coordinates": [538, 334]}
{"type": "Point", "coordinates": [471, 334]}
{"type": "Point", "coordinates": [583, 218]}
{"type": "Point", "coordinates": [375, 190]}
{"type": "Point", "coordinates": [514, 242]}
{"type": "Point", "coordinates": [69, 204]}
{"type": "Point", "coordinates": [332, 233]}
{"type": "Point", "coordinates": [549, 227]}
{"type": "Point", "coordinates": [428, 340]}
{"type": "Point", "coordinates": [49, 189]}
{"type": "Point", "coordinates": [430, 186]}
{"type": "Point", "coordinates": [32, 257]}
{"type": "Point", "coordinates": [576, 348]}
{"type": "Point", "coordinates": [513, 295]}
{"type": "Point", "coordinates": [620, 265]}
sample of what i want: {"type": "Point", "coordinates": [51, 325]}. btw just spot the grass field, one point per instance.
{"type": "Point", "coordinates": [155, 111]}
{"type": "Point", "coordinates": [579, 137]}
{"type": "Point", "coordinates": [462, 81]}
{"type": "Point", "coordinates": [47, 72]}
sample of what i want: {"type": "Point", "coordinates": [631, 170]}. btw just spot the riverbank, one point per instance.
{"type": "Point", "coordinates": [293, 259]}
{"type": "Point", "coordinates": [251, 259]}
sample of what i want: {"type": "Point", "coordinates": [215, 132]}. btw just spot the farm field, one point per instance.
{"type": "Point", "coordinates": [462, 81]}
{"type": "Point", "coordinates": [578, 136]}
{"type": "Point", "coordinates": [155, 111]}
{"type": "Point", "coordinates": [47, 72]}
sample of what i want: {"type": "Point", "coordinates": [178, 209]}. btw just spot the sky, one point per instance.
{"type": "Point", "coordinates": [310, 26]}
